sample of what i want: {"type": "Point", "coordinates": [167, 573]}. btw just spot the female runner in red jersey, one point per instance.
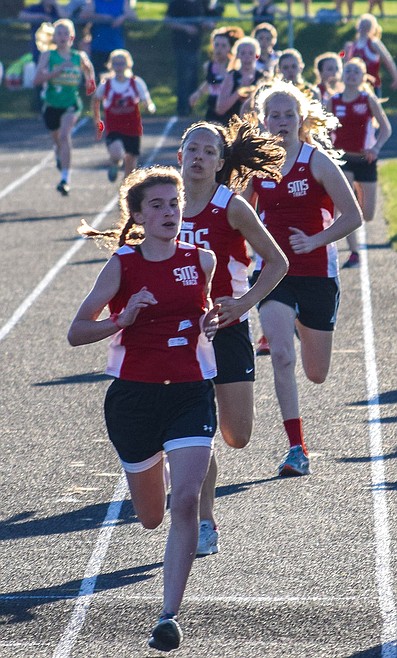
{"type": "Point", "coordinates": [162, 399]}
{"type": "Point", "coordinates": [216, 218]}
{"type": "Point", "coordinates": [356, 109]}
{"type": "Point", "coordinates": [299, 212]}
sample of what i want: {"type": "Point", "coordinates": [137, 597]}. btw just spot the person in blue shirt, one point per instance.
{"type": "Point", "coordinates": [107, 18]}
{"type": "Point", "coordinates": [46, 11]}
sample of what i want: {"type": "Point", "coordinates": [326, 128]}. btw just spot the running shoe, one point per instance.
{"type": "Point", "coordinates": [208, 539]}
{"type": "Point", "coordinates": [352, 262]}
{"type": "Point", "coordinates": [63, 188]}
{"type": "Point", "coordinates": [262, 346]}
{"type": "Point", "coordinates": [295, 463]}
{"type": "Point", "coordinates": [167, 634]}
{"type": "Point", "coordinates": [113, 172]}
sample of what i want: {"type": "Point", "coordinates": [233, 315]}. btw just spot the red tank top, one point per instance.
{"type": "Point", "coordinates": [165, 343]}
{"type": "Point", "coordinates": [356, 131]}
{"type": "Point", "coordinates": [371, 58]}
{"type": "Point", "coordinates": [210, 229]}
{"type": "Point", "coordinates": [298, 200]}
{"type": "Point", "coordinates": [122, 112]}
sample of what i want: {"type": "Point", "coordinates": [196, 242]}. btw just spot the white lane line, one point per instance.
{"type": "Point", "coordinates": [92, 571]}
{"type": "Point", "coordinates": [236, 599]}
{"type": "Point", "coordinates": [51, 274]}
{"type": "Point", "coordinates": [384, 575]}
{"type": "Point", "coordinates": [43, 163]}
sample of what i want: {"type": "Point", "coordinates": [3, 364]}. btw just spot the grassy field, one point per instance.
{"type": "Point", "coordinates": [149, 42]}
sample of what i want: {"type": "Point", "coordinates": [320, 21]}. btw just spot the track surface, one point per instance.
{"type": "Point", "coordinates": [307, 567]}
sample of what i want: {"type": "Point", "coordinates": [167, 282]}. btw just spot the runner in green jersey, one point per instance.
{"type": "Point", "coordinates": [60, 70]}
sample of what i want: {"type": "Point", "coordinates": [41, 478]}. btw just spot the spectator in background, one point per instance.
{"type": "Point", "coordinates": [261, 11]}
{"type": "Point", "coordinates": [188, 19]}
{"type": "Point", "coordinates": [372, 5]}
{"type": "Point", "coordinates": [46, 11]}
{"type": "Point", "coordinates": [107, 18]}
{"type": "Point", "coordinates": [349, 3]}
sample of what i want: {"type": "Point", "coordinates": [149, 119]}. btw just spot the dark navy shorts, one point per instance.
{"type": "Point", "coordinates": [131, 144]}
{"type": "Point", "coordinates": [362, 170]}
{"type": "Point", "coordinates": [314, 299]}
{"type": "Point", "coordinates": [234, 353]}
{"type": "Point", "coordinates": [52, 115]}
{"type": "Point", "coordinates": [145, 419]}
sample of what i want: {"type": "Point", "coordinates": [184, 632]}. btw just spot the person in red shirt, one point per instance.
{"type": "Point", "coordinates": [161, 401]}
{"type": "Point", "coordinates": [121, 95]}
{"type": "Point", "coordinates": [356, 109]}
{"type": "Point", "coordinates": [216, 218]}
{"type": "Point", "coordinates": [368, 45]}
{"type": "Point", "coordinates": [298, 211]}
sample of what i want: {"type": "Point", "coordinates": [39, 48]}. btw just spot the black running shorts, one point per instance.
{"type": "Point", "coordinates": [362, 170]}
{"type": "Point", "coordinates": [234, 353]}
{"type": "Point", "coordinates": [315, 299]}
{"type": "Point", "coordinates": [131, 144]}
{"type": "Point", "coordinates": [141, 417]}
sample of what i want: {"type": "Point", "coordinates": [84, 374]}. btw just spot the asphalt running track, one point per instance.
{"type": "Point", "coordinates": [307, 566]}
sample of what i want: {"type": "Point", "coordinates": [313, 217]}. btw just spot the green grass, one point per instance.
{"type": "Point", "coordinates": [388, 178]}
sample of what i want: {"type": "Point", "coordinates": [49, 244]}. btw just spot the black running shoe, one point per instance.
{"type": "Point", "coordinates": [63, 188]}
{"type": "Point", "coordinates": [167, 634]}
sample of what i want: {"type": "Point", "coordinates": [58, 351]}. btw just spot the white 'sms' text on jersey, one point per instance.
{"type": "Point", "coordinates": [188, 275]}
{"type": "Point", "coordinates": [298, 187]}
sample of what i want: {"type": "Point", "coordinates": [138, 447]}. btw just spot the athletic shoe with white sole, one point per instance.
{"type": "Point", "coordinates": [208, 539]}
{"type": "Point", "coordinates": [295, 463]}
{"type": "Point", "coordinates": [63, 188]}
{"type": "Point", "coordinates": [167, 634]}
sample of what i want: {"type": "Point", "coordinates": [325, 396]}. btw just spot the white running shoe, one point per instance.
{"type": "Point", "coordinates": [295, 463]}
{"type": "Point", "coordinates": [208, 539]}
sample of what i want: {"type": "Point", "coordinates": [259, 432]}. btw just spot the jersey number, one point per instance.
{"type": "Point", "coordinates": [195, 237]}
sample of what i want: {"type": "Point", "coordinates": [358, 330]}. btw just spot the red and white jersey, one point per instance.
{"type": "Point", "coordinates": [357, 131]}
{"type": "Point", "coordinates": [121, 104]}
{"type": "Point", "coordinates": [211, 229]}
{"type": "Point", "coordinates": [371, 57]}
{"type": "Point", "coordinates": [298, 200]}
{"type": "Point", "coordinates": [165, 343]}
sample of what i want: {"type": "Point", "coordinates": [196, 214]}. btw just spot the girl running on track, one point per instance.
{"type": "Point", "coordinates": [216, 218]}
{"type": "Point", "coordinates": [162, 399]}
{"type": "Point", "coordinates": [60, 71]}
{"type": "Point", "coordinates": [357, 108]}
{"type": "Point", "coordinates": [290, 68]}
{"type": "Point", "coordinates": [266, 35]}
{"type": "Point", "coordinates": [299, 213]}
{"type": "Point", "coordinates": [241, 81]}
{"type": "Point", "coordinates": [328, 69]}
{"type": "Point", "coordinates": [222, 40]}
{"type": "Point", "coordinates": [368, 45]}
{"type": "Point", "coordinates": [120, 94]}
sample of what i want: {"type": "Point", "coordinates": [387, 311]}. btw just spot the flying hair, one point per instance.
{"type": "Point", "coordinates": [245, 151]}
{"type": "Point", "coordinates": [132, 192]}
